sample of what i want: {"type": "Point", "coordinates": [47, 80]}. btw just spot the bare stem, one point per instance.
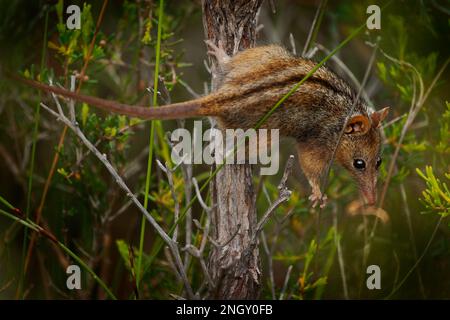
{"type": "Point", "coordinates": [283, 196]}
{"type": "Point", "coordinates": [102, 157]}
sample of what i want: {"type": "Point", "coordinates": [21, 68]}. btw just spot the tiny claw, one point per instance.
{"type": "Point", "coordinates": [314, 200]}
{"type": "Point", "coordinates": [220, 44]}
{"type": "Point", "coordinates": [318, 198]}
{"type": "Point", "coordinates": [209, 43]}
{"type": "Point", "coordinates": [213, 47]}
{"type": "Point", "coordinates": [217, 51]}
{"type": "Point", "coordinates": [324, 201]}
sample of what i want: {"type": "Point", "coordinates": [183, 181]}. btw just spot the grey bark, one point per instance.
{"type": "Point", "coordinates": [235, 265]}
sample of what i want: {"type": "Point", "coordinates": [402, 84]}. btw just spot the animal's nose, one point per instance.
{"type": "Point", "coordinates": [370, 197]}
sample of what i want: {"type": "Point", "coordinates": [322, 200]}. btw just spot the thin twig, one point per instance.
{"type": "Point", "coordinates": [314, 26]}
{"type": "Point", "coordinates": [71, 102]}
{"type": "Point", "coordinates": [337, 242]}
{"type": "Point", "coordinates": [266, 194]}
{"type": "Point", "coordinates": [270, 264]}
{"type": "Point", "coordinates": [283, 196]}
{"type": "Point", "coordinates": [396, 119]}
{"type": "Point", "coordinates": [199, 253]}
{"type": "Point", "coordinates": [189, 89]}
{"type": "Point", "coordinates": [225, 243]}
{"type": "Point", "coordinates": [272, 6]}
{"type": "Point", "coordinates": [199, 196]}
{"type": "Point", "coordinates": [292, 41]}
{"type": "Point", "coordinates": [169, 174]}
{"type": "Point", "coordinates": [286, 281]}
{"type": "Point", "coordinates": [411, 235]}
{"type": "Point", "coordinates": [187, 177]}
{"type": "Point", "coordinates": [119, 212]}
{"type": "Point", "coordinates": [172, 263]}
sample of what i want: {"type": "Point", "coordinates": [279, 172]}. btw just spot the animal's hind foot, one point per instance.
{"type": "Point", "coordinates": [218, 52]}
{"type": "Point", "coordinates": [318, 199]}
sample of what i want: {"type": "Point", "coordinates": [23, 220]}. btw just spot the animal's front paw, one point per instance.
{"type": "Point", "coordinates": [218, 52]}
{"type": "Point", "coordinates": [317, 198]}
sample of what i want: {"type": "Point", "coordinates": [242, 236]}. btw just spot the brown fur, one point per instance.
{"type": "Point", "coordinates": [251, 84]}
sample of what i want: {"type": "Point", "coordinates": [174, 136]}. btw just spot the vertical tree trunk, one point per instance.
{"type": "Point", "coordinates": [234, 267]}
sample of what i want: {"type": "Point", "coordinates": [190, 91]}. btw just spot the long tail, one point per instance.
{"type": "Point", "coordinates": [188, 109]}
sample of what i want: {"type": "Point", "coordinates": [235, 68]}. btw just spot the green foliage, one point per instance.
{"type": "Point", "coordinates": [308, 282]}
{"type": "Point", "coordinates": [443, 145]}
{"type": "Point", "coordinates": [436, 197]}
{"type": "Point", "coordinates": [127, 253]}
{"type": "Point", "coordinates": [402, 73]}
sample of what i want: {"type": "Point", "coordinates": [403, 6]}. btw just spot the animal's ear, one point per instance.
{"type": "Point", "coordinates": [357, 124]}
{"type": "Point", "coordinates": [378, 116]}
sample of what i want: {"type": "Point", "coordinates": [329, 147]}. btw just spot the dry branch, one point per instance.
{"type": "Point", "coordinates": [172, 245]}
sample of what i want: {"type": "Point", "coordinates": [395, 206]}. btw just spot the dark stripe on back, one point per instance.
{"type": "Point", "coordinates": [290, 82]}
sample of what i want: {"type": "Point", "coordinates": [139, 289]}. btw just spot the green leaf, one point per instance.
{"type": "Point", "coordinates": [415, 147]}
{"type": "Point", "coordinates": [318, 283]}
{"type": "Point", "coordinates": [110, 132]}
{"type": "Point", "coordinates": [134, 121]}
{"type": "Point", "coordinates": [84, 113]}
{"type": "Point", "coordinates": [122, 122]}
{"type": "Point", "coordinates": [6, 203]}
{"type": "Point", "coordinates": [122, 246]}
{"type": "Point", "coordinates": [382, 70]}
{"type": "Point", "coordinates": [63, 172]}
{"type": "Point", "coordinates": [61, 26]}
{"type": "Point", "coordinates": [87, 25]}
{"type": "Point", "coordinates": [436, 196]}
{"type": "Point", "coordinates": [147, 38]}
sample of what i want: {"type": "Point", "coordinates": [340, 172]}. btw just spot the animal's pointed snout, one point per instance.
{"type": "Point", "coordinates": [370, 194]}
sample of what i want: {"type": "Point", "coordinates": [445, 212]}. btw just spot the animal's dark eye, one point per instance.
{"type": "Point", "coordinates": [359, 164]}
{"type": "Point", "coordinates": [378, 163]}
